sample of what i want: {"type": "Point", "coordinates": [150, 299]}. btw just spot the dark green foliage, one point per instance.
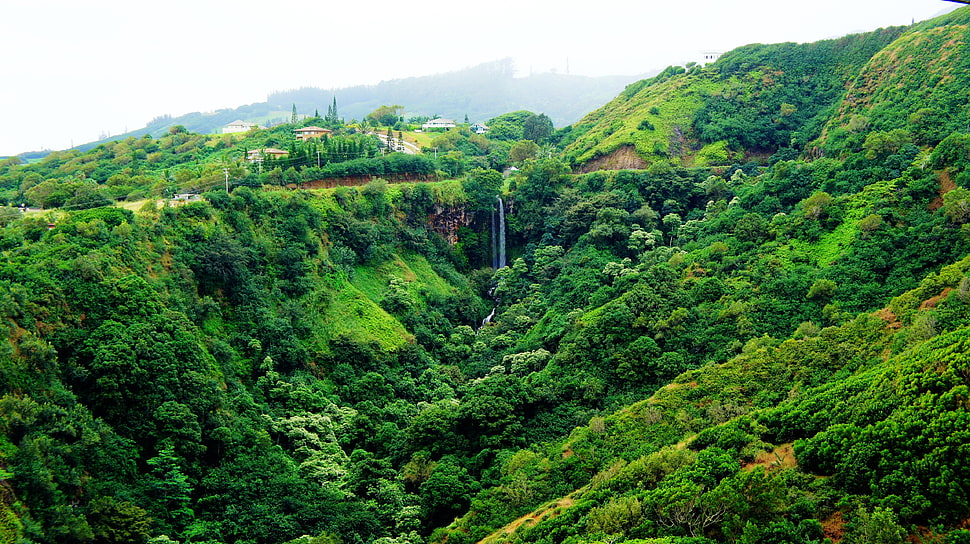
{"type": "Point", "coordinates": [392, 165]}
{"type": "Point", "coordinates": [537, 128]}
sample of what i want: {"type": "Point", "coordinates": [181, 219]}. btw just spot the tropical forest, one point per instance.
{"type": "Point", "coordinates": [730, 305]}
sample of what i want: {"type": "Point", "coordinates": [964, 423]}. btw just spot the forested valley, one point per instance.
{"type": "Point", "coordinates": [736, 308]}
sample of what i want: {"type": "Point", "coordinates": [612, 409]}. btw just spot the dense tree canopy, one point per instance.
{"type": "Point", "coordinates": [758, 336]}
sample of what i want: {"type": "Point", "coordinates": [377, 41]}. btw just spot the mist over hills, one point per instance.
{"type": "Point", "coordinates": [479, 92]}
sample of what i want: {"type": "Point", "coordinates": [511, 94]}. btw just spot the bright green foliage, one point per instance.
{"type": "Point", "coordinates": [918, 95]}
{"type": "Point", "coordinates": [693, 354]}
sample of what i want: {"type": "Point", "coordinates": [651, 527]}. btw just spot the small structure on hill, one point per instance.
{"type": "Point", "coordinates": [306, 133]}
{"type": "Point", "coordinates": [258, 155]}
{"type": "Point", "coordinates": [438, 124]}
{"type": "Point", "coordinates": [708, 57]}
{"type": "Point", "coordinates": [239, 126]}
{"type": "Point", "coordinates": [479, 128]}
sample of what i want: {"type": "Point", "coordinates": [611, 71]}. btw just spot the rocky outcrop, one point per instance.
{"type": "Point", "coordinates": [446, 220]}
{"type": "Point", "coordinates": [623, 158]}
{"type": "Point", "coordinates": [351, 181]}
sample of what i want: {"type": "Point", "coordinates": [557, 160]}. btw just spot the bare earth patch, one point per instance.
{"type": "Point", "coordinates": [782, 456]}
{"type": "Point", "coordinates": [833, 527]}
{"type": "Point", "coordinates": [623, 158]}
{"type": "Point", "coordinates": [546, 511]}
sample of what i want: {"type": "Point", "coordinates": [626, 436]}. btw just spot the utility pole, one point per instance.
{"type": "Point", "coordinates": [226, 172]}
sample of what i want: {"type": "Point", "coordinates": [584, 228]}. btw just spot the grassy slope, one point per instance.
{"type": "Point", "coordinates": [352, 313]}
{"type": "Point", "coordinates": [930, 64]}
{"type": "Point", "coordinates": [626, 121]}
{"type": "Point", "coordinates": [618, 123]}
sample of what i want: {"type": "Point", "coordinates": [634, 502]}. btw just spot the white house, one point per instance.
{"type": "Point", "coordinates": [707, 57]}
{"type": "Point", "coordinates": [239, 126]}
{"type": "Point", "coordinates": [479, 128]}
{"type": "Point", "coordinates": [439, 123]}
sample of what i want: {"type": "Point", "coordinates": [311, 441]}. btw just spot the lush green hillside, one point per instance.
{"type": "Point", "coordinates": [759, 100]}
{"type": "Point", "coordinates": [180, 162]}
{"type": "Point", "coordinates": [917, 85]}
{"type": "Point", "coordinates": [162, 338]}
{"type": "Point", "coordinates": [772, 351]}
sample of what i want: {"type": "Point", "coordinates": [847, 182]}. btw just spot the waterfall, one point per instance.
{"type": "Point", "coordinates": [498, 254]}
{"type": "Point", "coordinates": [501, 234]}
{"type": "Point", "coordinates": [488, 318]}
{"type": "Point", "coordinates": [494, 243]}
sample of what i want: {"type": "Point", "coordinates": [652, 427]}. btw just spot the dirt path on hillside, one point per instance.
{"type": "Point", "coordinates": [546, 511]}
{"type": "Point", "coordinates": [946, 185]}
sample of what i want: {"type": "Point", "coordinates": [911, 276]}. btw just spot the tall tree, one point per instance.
{"type": "Point", "coordinates": [537, 128]}
{"type": "Point", "coordinates": [332, 118]}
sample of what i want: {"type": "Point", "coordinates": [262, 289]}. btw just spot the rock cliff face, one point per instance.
{"type": "Point", "coordinates": [354, 181]}
{"type": "Point", "coordinates": [625, 157]}
{"type": "Point", "coordinates": [446, 220]}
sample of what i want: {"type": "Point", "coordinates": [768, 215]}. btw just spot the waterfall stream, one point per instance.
{"type": "Point", "coordinates": [501, 234]}
{"type": "Point", "coordinates": [498, 251]}
{"type": "Point", "coordinates": [494, 239]}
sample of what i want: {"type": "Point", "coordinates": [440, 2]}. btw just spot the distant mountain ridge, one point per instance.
{"type": "Point", "coordinates": [480, 93]}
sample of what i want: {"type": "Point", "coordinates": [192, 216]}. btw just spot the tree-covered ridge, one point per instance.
{"type": "Point", "coordinates": [178, 162]}
{"type": "Point", "coordinates": [788, 98]}
{"type": "Point", "coordinates": [915, 87]}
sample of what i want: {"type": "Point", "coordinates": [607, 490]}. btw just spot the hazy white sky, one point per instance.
{"type": "Point", "coordinates": [74, 70]}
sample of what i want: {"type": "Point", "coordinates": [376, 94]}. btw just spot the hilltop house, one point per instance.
{"type": "Point", "coordinates": [709, 57]}
{"type": "Point", "coordinates": [435, 124]}
{"type": "Point", "coordinates": [479, 128]}
{"type": "Point", "coordinates": [306, 133]}
{"type": "Point", "coordinates": [258, 155]}
{"type": "Point", "coordinates": [239, 126]}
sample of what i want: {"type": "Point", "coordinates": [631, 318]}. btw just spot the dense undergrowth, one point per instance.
{"type": "Point", "coordinates": [772, 351]}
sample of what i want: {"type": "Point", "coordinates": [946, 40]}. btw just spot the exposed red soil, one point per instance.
{"type": "Point", "coordinates": [623, 158]}
{"type": "Point", "coordinates": [532, 518]}
{"type": "Point", "coordinates": [833, 527]}
{"type": "Point", "coordinates": [931, 302]}
{"type": "Point", "coordinates": [350, 181]}
{"type": "Point", "coordinates": [782, 456]}
{"type": "Point", "coordinates": [946, 185]}
{"type": "Point", "coordinates": [887, 315]}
